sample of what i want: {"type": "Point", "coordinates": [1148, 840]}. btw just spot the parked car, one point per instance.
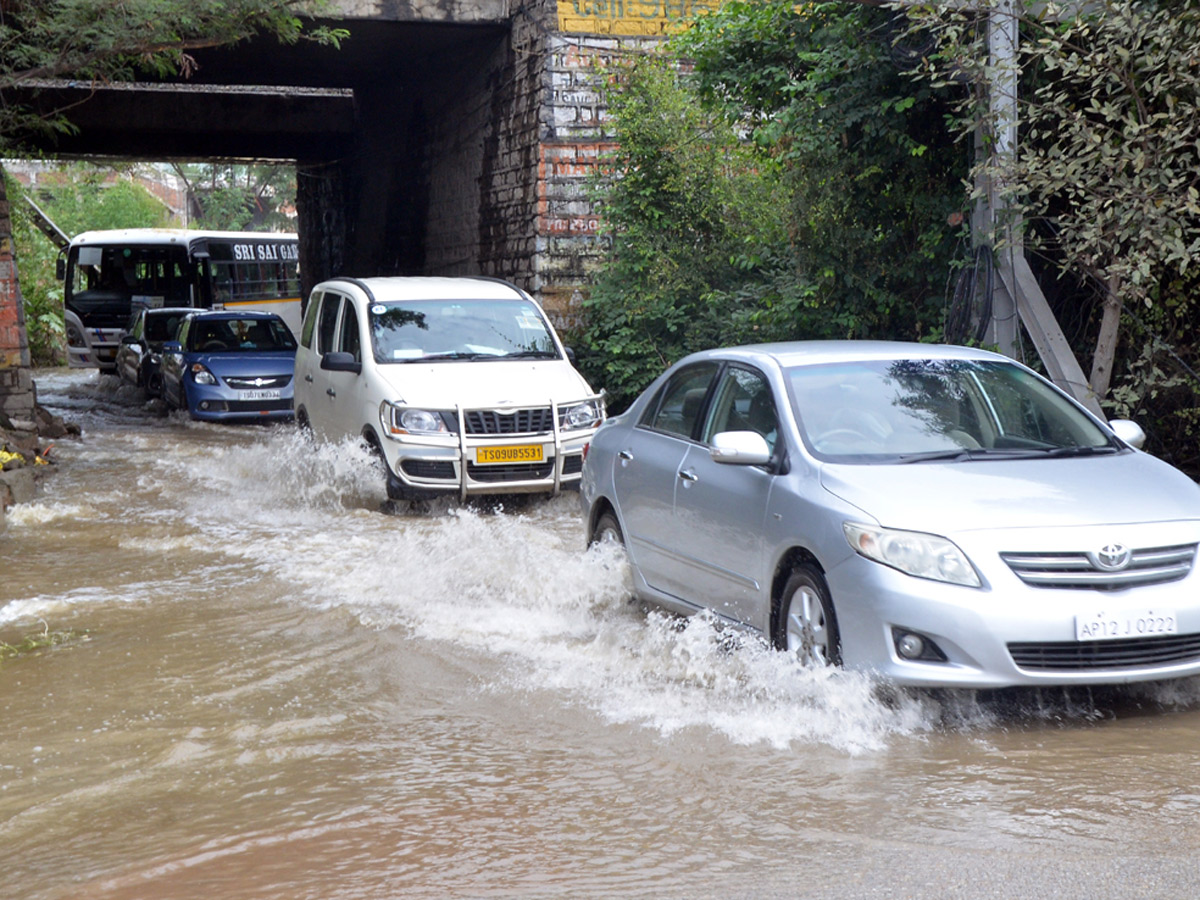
{"type": "Point", "coordinates": [230, 366]}
{"type": "Point", "coordinates": [935, 515]}
{"type": "Point", "coordinates": [460, 385]}
{"type": "Point", "coordinates": [139, 352]}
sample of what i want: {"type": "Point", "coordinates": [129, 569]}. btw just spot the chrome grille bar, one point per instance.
{"type": "Point", "coordinates": [1153, 565]}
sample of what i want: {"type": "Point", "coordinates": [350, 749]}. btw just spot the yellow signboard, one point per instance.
{"type": "Point", "coordinates": [642, 17]}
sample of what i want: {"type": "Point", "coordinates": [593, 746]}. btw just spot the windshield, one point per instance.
{"type": "Point", "coordinates": [431, 330]}
{"type": "Point", "coordinates": [917, 410]}
{"type": "Point", "coordinates": [240, 335]}
{"type": "Point", "coordinates": [124, 278]}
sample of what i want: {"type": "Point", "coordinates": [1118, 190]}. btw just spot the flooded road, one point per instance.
{"type": "Point", "coordinates": [269, 686]}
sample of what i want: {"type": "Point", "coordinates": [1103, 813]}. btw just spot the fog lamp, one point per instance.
{"type": "Point", "coordinates": [910, 646]}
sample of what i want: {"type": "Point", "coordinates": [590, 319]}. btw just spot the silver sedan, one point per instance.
{"type": "Point", "coordinates": [934, 515]}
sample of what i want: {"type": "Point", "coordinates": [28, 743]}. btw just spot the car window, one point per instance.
{"type": "Point", "coordinates": [349, 339]}
{"type": "Point", "coordinates": [327, 322]}
{"type": "Point", "coordinates": [681, 401]}
{"type": "Point", "coordinates": [743, 402]}
{"type": "Point", "coordinates": [310, 319]}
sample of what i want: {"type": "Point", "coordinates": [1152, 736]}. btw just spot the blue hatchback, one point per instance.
{"type": "Point", "coordinates": [230, 366]}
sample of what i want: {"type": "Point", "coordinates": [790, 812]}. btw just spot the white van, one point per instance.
{"type": "Point", "coordinates": [459, 384]}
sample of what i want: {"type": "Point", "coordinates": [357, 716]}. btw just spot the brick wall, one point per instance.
{"type": "Point", "coordinates": [16, 381]}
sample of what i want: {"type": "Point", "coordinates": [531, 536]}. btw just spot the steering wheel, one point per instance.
{"type": "Point", "coordinates": [215, 345]}
{"type": "Point", "coordinates": [844, 437]}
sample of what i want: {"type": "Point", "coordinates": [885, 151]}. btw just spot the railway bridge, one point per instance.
{"type": "Point", "coordinates": [444, 137]}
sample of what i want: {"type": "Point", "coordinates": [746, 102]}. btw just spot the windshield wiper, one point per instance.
{"type": "Point", "coordinates": [986, 453]}
{"type": "Point", "coordinates": [531, 354]}
{"type": "Point", "coordinates": [453, 354]}
{"type": "Point", "coordinates": [1083, 451]}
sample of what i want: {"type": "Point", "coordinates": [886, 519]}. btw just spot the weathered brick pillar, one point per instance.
{"type": "Point", "coordinates": [16, 377]}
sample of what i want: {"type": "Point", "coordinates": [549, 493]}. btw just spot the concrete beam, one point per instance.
{"type": "Point", "coordinates": [186, 121]}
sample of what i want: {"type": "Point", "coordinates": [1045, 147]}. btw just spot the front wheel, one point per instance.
{"type": "Point", "coordinates": [607, 531]}
{"type": "Point", "coordinates": [394, 486]}
{"type": "Point", "coordinates": [807, 626]}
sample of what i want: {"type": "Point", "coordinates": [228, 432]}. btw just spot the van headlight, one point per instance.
{"type": "Point", "coordinates": [912, 552]}
{"type": "Point", "coordinates": [407, 420]}
{"type": "Point", "coordinates": [582, 415]}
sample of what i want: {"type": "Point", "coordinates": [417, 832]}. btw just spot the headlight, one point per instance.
{"type": "Point", "coordinates": [201, 375]}
{"type": "Point", "coordinates": [399, 420]}
{"type": "Point", "coordinates": [582, 415]}
{"type": "Point", "coordinates": [922, 555]}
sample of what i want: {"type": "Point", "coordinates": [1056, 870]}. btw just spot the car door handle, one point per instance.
{"type": "Point", "coordinates": [689, 475]}
{"type": "Point", "coordinates": [308, 378]}
{"type": "Point", "coordinates": [626, 455]}
{"type": "Point", "coordinates": [331, 392]}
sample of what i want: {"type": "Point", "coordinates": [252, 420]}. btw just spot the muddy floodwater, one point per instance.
{"type": "Point", "coordinates": [269, 685]}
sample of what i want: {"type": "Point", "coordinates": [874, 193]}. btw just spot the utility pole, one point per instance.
{"type": "Point", "coordinates": [1016, 295]}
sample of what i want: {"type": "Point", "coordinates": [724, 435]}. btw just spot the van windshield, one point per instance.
{"type": "Point", "coordinates": [436, 330]}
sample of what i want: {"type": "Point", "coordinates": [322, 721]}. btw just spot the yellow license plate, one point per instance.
{"type": "Point", "coordinates": [516, 453]}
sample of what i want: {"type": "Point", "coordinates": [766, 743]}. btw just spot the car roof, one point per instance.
{"type": "Point", "coordinates": [168, 310]}
{"type": "Point", "coordinates": [429, 287]}
{"type": "Point", "coordinates": [789, 354]}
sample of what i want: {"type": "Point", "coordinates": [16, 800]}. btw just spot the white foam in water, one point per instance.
{"type": "Point", "coordinates": [518, 586]}
{"type": "Point", "coordinates": [37, 513]}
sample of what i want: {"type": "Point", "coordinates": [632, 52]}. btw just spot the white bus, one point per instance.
{"type": "Point", "coordinates": [109, 275]}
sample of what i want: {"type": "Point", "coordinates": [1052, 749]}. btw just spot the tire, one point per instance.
{"type": "Point", "coordinates": [395, 487]}
{"type": "Point", "coordinates": [607, 530]}
{"type": "Point", "coordinates": [807, 625]}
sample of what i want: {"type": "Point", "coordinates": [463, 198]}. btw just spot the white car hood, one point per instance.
{"type": "Point", "coordinates": [949, 498]}
{"type": "Point", "coordinates": [475, 384]}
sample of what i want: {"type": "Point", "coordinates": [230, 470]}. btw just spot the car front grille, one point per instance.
{"type": "Point", "coordinates": [264, 382]}
{"type": "Point", "coordinates": [257, 405]}
{"type": "Point", "coordinates": [512, 472]}
{"type": "Point", "coordinates": [1082, 656]}
{"type": "Point", "coordinates": [537, 420]}
{"type": "Point", "coordinates": [1156, 565]}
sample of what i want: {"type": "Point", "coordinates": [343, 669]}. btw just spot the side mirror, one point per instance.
{"type": "Point", "coordinates": [172, 347]}
{"type": "Point", "coordinates": [337, 361]}
{"type": "Point", "coordinates": [1129, 432]}
{"type": "Point", "coordinates": [740, 448]}
{"type": "Point", "coordinates": [570, 351]}
{"type": "Point", "coordinates": [129, 339]}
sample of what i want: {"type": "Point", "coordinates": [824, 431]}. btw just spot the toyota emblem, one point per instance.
{"type": "Point", "coordinates": [1113, 557]}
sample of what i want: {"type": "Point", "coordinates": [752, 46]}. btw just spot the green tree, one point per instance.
{"type": "Point", "coordinates": [1106, 181]}
{"type": "Point", "coordinates": [692, 208]}
{"type": "Point", "coordinates": [775, 179]}
{"type": "Point", "coordinates": [240, 197]}
{"type": "Point", "coordinates": [85, 198]}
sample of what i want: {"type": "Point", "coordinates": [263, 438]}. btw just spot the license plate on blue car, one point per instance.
{"type": "Point", "coordinates": [261, 395]}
